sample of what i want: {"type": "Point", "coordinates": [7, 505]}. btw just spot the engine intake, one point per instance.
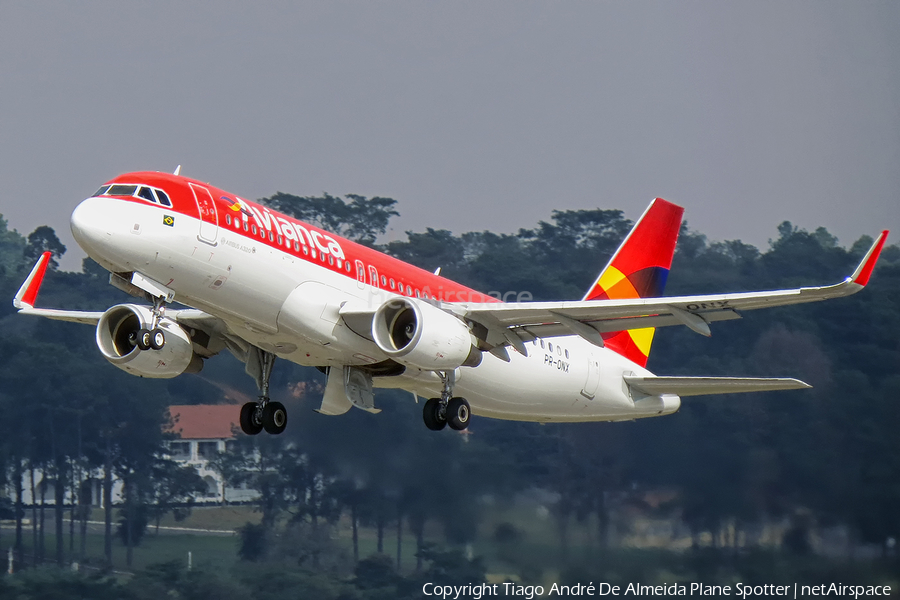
{"type": "Point", "coordinates": [117, 329]}
{"type": "Point", "coordinates": [418, 334]}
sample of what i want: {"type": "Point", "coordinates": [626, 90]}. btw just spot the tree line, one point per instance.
{"type": "Point", "coordinates": [811, 458]}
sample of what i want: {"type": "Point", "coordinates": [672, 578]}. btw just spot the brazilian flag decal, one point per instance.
{"type": "Point", "coordinates": [169, 220]}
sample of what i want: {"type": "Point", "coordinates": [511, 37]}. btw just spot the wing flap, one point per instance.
{"type": "Point", "coordinates": [701, 386]}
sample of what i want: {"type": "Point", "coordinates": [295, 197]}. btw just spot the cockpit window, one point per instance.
{"type": "Point", "coordinates": [147, 194]}
{"type": "Point", "coordinates": [121, 190]}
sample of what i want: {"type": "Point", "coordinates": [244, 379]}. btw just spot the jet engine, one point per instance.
{"type": "Point", "coordinates": [117, 335]}
{"type": "Point", "coordinates": [418, 334]}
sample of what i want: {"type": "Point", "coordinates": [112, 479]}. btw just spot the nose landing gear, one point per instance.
{"type": "Point", "coordinates": [152, 337]}
{"type": "Point", "coordinates": [448, 409]}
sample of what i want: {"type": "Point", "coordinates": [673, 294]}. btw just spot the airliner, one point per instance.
{"type": "Point", "coordinates": [263, 285]}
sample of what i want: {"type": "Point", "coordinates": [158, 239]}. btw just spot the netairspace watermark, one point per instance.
{"type": "Point", "coordinates": [477, 591]}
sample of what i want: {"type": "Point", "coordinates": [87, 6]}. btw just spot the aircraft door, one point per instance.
{"type": "Point", "coordinates": [593, 377]}
{"type": "Point", "coordinates": [373, 276]}
{"type": "Point", "coordinates": [209, 216]}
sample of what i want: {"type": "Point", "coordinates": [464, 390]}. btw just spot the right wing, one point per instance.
{"type": "Point", "coordinates": [515, 323]}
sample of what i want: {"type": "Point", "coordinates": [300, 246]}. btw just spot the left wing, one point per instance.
{"type": "Point", "coordinates": [702, 386]}
{"type": "Point", "coordinates": [516, 323]}
{"type": "Point", "coordinates": [27, 295]}
{"type": "Point", "coordinates": [216, 329]}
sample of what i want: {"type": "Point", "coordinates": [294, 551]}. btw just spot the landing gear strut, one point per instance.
{"type": "Point", "coordinates": [448, 409]}
{"type": "Point", "coordinates": [262, 414]}
{"type": "Point", "coordinates": [152, 337]}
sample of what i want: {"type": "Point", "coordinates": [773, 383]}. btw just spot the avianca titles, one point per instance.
{"type": "Point", "coordinates": [263, 285]}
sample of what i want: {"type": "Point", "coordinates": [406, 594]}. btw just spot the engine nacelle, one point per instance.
{"type": "Point", "coordinates": [114, 338]}
{"type": "Point", "coordinates": [418, 334]}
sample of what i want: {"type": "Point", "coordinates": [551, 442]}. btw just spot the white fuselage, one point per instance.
{"type": "Point", "coordinates": [289, 305]}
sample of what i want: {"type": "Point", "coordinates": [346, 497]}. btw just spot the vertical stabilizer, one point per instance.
{"type": "Point", "coordinates": [639, 269]}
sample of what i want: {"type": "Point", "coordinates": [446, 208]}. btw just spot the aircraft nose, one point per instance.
{"type": "Point", "coordinates": [87, 224]}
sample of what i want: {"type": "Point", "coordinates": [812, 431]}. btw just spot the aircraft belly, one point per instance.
{"type": "Point", "coordinates": [237, 276]}
{"type": "Point", "coordinates": [251, 287]}
{"type": "Point", "coordinates": [537, 389]}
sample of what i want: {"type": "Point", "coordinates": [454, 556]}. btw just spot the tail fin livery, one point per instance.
{"type": "Point", "coordinates": [639, 269]}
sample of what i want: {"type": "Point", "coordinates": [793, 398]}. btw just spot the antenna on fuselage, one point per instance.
{"type": "Point", "coordinates": [437, 271]}
{"type": "Point", "coordinates": [178, 170]}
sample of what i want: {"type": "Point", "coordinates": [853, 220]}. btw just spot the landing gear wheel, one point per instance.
{"type": "Point", "coordinates": [249, 423]}
{"type": "Point", "coordinates": [458, 413]}
{"type": "Point", "coordinates": [143, 339]}
{"type": "Point", "coordinates": [431, 415]}
{"type": "Point", "coordinates": [274, 418]}
{"type": "Point", "coordinates": [157, 339]}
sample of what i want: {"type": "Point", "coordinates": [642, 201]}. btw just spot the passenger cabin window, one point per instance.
{"type": "Point", "coordinates": [227, 219]}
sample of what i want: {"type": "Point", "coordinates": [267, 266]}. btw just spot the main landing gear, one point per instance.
{"type": "Point", "coordinates": [262, 414]}
{"type": "Point", "coordinates": [448, 409]}
{"type": "Point", "coordinates": [153, 337]}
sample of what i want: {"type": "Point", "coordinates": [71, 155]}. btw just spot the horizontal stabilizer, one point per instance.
{"type": "Point", "coordinates": [701, 386]}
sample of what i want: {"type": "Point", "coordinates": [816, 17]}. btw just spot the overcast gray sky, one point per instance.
{"type": "Point", "coordinates": [473, 115]}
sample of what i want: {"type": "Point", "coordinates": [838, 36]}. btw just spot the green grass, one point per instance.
{"type": "Point", "coordinates": [218, 551]}
{"type": "Point", "coordinates": [206, 550]}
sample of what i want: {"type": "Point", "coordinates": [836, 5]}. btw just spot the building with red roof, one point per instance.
{"type": "Point", "coordinates": [203, 431]}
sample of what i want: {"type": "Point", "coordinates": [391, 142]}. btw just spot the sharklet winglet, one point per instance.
{"type": "Point", "coordinates": [27, 294]}
{"type": "Point", "coordinates": [867, 264]}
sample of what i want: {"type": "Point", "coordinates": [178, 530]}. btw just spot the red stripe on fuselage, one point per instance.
{"type": "Point", "coordinates": [418, 280]}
